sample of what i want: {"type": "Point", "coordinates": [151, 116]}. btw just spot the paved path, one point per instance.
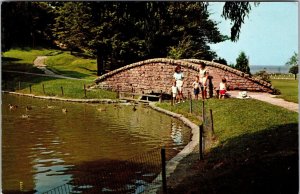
{"type": "Point", "coordinates": [270, 99]}
{"type": "Point", "coordinates": [39, 62]}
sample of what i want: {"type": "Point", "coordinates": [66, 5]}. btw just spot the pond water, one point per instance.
{"type": "Point", "coordinates": [44, 147]}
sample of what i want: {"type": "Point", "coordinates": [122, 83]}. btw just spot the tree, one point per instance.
{"type": "Point", "coordinates": [294, 70]}
{"type": "Point", "coordinates": [25, 24]}
{"type": "Point", "coordinates": [236, 11]}
{"type": "Point", "coordinates": [118, 33]}
{"type": "Point", "coordinates": [293, 63]}
{"type": "Point", "coordinates": [242, 63]}
{"type": "Point", "coordinates": [220, 60]}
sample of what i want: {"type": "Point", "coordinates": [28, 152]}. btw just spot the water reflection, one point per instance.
{"type": "Point", "coordinates": [50, 148]}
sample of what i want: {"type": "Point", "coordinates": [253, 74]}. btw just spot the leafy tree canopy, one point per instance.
{"type": "Point", "coordinates": [242, 63]}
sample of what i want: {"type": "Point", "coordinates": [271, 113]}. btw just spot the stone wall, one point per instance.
{"type": "Point", "coordinates": [155, 75]}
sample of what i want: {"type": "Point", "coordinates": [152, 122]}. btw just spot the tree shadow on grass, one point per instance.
{"type": "Point", "coordinates": [9, 59]}
{"type": "Point", "coordinates": [261, 162]}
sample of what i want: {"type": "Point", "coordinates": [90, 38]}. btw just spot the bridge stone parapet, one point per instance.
{"type": "Point", "coordinates": [155, 75]}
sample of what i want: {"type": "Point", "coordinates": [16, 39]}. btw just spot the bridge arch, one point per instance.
{"type": "Point", "coordinates": [155, 75]}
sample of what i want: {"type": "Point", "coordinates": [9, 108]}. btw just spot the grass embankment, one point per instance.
{"type": "Point", "coordinates": [61, 62]}
{"type": "Point", "coordinates": [288, 89]}
{"type": "Point", "coordinates": [257, 149]}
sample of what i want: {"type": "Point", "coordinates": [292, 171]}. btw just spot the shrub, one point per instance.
{"type": "Point", "coordinates": [263, 75]}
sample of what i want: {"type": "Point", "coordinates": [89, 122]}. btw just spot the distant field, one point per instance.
{"type": "Point", "coordinates": [283, 76]}
{"type": "Point", "coordinates": [288, 89]}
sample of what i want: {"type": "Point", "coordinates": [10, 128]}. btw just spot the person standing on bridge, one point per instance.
{"type": "Point", "coordinates": [178, 76]}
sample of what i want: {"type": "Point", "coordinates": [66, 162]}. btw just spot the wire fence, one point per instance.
{"type": "Point", "coordinates": [135, 175]}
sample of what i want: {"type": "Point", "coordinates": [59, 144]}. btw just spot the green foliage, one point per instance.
{"type": "Point", "coordinates": [119, 33]}
{"type": "Point", "coordinates": [242, 63]}
{"type": "Point", "coordinates": [221, 60]}
{"type": "Point", "coordinates": [288, 88]}
{"type": "Point", "coordinates": [263, 75]}
{"type": "Point", "coordinates": [294, 70]}
{"type": "Point", "coordinates": [293, 61]}
{"type": "Point", "coordinates": [26, 24]}
{"type": "Point", "coordinates": [236, 11]}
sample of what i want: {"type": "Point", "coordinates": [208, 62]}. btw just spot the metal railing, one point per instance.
{"type": "Point", "coordinates": [134, 175]}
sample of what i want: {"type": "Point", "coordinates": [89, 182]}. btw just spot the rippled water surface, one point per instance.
{"type": "Point", "coordinates": [44, 147]}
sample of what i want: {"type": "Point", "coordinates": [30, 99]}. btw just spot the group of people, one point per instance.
{"type": "Point", "coordinates": [200, 85]}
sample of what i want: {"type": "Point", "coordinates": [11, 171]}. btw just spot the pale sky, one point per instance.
{"type": "Point", "coordinates": [269, 36]}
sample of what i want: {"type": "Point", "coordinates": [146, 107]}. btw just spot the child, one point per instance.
{"type": "Point", "coordinates": [174, 92]}
{"type": "Point", "coordinates": [178, 76]}
{"type": "Point", "coordinates": [196, 86]}
{"type": "Point", "coordinates": [222, 88]}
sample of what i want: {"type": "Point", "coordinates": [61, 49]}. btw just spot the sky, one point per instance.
{"type": "Point", "coordinates": [269, 35]}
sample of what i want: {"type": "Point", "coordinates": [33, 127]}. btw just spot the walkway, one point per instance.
{"type": "Point", "coordinates": [269, 99]}
{"type": "Point", "coordinates": [39, 62]}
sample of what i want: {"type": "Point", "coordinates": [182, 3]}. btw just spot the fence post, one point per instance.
{"type": "Point", "coordinates": [118, 92]}
{"type": "Point", "coordinates": [160, 97]}
{"type": "Point", "coordinates": [212, 122]}
{"type": "Point", "coordinates": [30, 88]}
{"type": "Point", "coordinates": [203, 112]}
{"type": "Point", "coordinates": [172, 99]}
{"type": "Point", "coordinates": [163, 169]}
{"type": "Point", "coordinates": [43, 88]}
{"type": "Point", "coordinates": [84, 88]}
{"type": "Point", "coordinates": [191, 105]}
{"type": "Point", "coordinates": [62, 90]}
{"type": "Point", "coordinates": [201, 142]}
{"type": "Point", "coordinates": [132, 92]}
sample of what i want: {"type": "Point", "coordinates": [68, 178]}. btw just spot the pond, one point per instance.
{"type": "Point", "coordinates": [46, 147]}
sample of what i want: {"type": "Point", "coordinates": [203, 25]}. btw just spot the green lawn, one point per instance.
{"type": "Point", "coordinates": [288, 89]}
{"type": "Point", "coordinates": [73, 66]}
{"type": "Point", "coordinates": [235, 117]}
{"type": "Point", "coordinates": [61, 62]}
{"type": "Point", "coordinates": [257, 146]}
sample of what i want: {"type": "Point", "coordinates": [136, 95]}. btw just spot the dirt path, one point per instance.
{"type": "Point", "coordinates": [269, 99]}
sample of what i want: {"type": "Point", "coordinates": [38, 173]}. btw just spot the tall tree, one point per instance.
{"type": "Point", "coordinates": [124, 32]}
{"type": "Point", "coordinates": [25, 24]}
{"type": "Point", "coordinates": [242, 63]}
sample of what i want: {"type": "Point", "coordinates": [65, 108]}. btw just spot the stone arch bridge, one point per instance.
{"type": "Point", "coordinates": [154, 75]}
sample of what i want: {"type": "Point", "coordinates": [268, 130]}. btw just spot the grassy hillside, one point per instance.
{"type": "Point", "coordinates": [60, 62]}
{"type": "Point", "coordinates": [257, 146]}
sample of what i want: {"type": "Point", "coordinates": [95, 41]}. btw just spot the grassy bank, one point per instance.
{"type": "Point", "coordinates": [257, 146]}
{"type": "Point", "coordinates": [74, 66]}
{"type": "Point", "coordinates": [61, 62]}
{"type": "Point", "coordinates": [288, 89]}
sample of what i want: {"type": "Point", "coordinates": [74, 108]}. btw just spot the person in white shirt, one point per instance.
{"type": "Point", "coordinates": [202, 79]}
{"type": "Point", "coordinates": [178, 76]}
{"type": "Point", "coordinates": [196, 86]}
{"type": "Point", "coordinates": [174, 92]}
{"type": "Point", "coordinates": [222, 88]}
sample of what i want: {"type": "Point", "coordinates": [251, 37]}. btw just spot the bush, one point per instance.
{"type": "Point", "coordinates": [263, 75]}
